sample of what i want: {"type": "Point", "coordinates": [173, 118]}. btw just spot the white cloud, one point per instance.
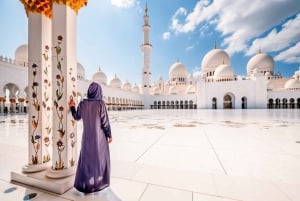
{"type": "Point", "coordinates": [189, 48]}
{"type": "Point", "coordinates": [123, 3]}
{"type": "Point", "coordinates": [196, 71]}
{"type": "Point", "coordinates": [239, 22]}
{"type": "Point", "coordinates": [278, 40]}
{"type": "Point", "coordinates": [175, 21]}
{"type": "Point", "coordinates": [290, 55]}
{"type": "Point", "coordinates": [166, 35]}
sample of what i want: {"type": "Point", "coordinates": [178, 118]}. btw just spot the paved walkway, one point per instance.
{"type": "Point", "coordinates": [202, 155]}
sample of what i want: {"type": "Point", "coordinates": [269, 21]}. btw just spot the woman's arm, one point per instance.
{"type": "Point", "coordinates": [105, 125]}
{"type": "Point", "coordinates": [76, 114]}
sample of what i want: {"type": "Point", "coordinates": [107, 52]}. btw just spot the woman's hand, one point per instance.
{"type": "Point", "coordinates": [109, 139]}
{"type": "Point", "coordinates": [71, 102]}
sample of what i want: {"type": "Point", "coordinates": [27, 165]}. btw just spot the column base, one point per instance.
{"type": "Point", "coordinates": [55, 174]}
{"type": "Point", "coordinates": [36, 168]}
{"type": "Point", "coordinates": [40, 180]}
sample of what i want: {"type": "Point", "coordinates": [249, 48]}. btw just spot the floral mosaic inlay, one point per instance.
{"type": "Point", "coordinates": [46, 106]}
{"type": "Point", "coordinates": [35, 118]}
{"type": "Point", "coordinates": [58, 105]}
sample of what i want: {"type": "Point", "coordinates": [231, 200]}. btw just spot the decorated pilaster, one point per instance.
{"type": "Point", "coordinates": [64, 76]}
{"type": "Point", "coordinates": [146, 48]}
{"type": "Point", "coordinates": [39, 82]}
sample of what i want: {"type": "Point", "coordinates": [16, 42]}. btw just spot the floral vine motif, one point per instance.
{"type": "Point", "coordinates": [73, 142]}
{"type": "Point", "coordinates": [73, 123]}
{"type": "Point", "coordinates": [60, 147]}
{"type": "Point", "coordinates": [35, 138]}
{"type": "Point", "coordinates": [59, 109]}
{"type": "Point", "coordinates": [46, 107]}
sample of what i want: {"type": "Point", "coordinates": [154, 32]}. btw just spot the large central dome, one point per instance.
{"type": "Point", "coordinates": [178, 70]}
{"type": "Point", "coordinates": [262, 62]}
{"type": "Point", "coordinates": [213, 59]}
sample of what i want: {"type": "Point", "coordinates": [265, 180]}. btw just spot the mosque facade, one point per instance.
{"type": "Point", "coordinates": [216, 87]}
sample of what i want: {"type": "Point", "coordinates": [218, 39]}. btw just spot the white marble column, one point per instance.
{"type": "Point", "coordinates": [64, 78]}
{"type": "Point", "coordinates": [2, 100]}
{"type": "Point", "coordinates": [39, 93]}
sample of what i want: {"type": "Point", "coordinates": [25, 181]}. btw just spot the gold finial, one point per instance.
{"type": "Point", "coordinates": [215, 45]}
{"type": "Point", "coordinates": [177, 60]}
{"type": "Point", "coordinates": [146, 9]}
{"type": "Point", "coordinates": [259, 51]}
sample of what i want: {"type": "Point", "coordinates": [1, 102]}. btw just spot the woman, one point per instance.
{"type": "Point", "coordinates": [93, 169]}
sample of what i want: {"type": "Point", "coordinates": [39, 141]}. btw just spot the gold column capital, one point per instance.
{"type": "Point", "coordinates": [44, 7]}
{"type": "Point", "coordinates": [73, 4]}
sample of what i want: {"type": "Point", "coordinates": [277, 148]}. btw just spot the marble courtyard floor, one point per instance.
{"type": "Point", "coordinates": [180, 155]}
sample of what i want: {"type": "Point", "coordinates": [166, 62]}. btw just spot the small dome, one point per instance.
{"type": "Point", "coordinates": [262, 62]}
{"type": "Point", "coordinates": [115, 82]}
{"type": "Point", "coordinates": [21, 55]}
{"type": "Point", "coordinates": [100, 77]}
{"type": "Point", "coordinates": [135, 88]}
{"type": "Point", "coordinates": [191, 89]}
{"type": "Point", "coordinates": [292, 84]}
{"type": "Point", "coordinates": [213, 59]}
{"type": "Point", "coordinates": [173, 90]}
{"type": "Point", "coordinates": [80, 71]}
{"type": "Point", "coordinates": [127, 86]}
{"type": "Point", "coordinates": [224, 71]}
{"type": "Point", "coordinates": [178, 70]}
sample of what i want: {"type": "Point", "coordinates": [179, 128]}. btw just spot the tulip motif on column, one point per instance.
{"type": "Point", "coordinates": [73, 123]}
{"type": "Point", "coordinates": [35, 137]}
{"type": "Point", "coordinates": [47, 105]}
{"type": "Point", "coordinates": [58, 106]}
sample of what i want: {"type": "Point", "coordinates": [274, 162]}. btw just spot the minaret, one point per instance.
{"type": "Point", "coordinates": [146, 48]}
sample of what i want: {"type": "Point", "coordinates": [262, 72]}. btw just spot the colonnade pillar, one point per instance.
{"type": "Point", "coordinates": [64, 86]}
{"type": "Point", "coordinates": [2, 101]}
{"type": "Point", "coordinates": [52, 82]}
{"type": "Point", "coordinates": [39, 93]}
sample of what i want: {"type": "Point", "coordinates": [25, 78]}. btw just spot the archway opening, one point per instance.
{"type": "Point", "coordinates": [214, 103]}
{"type": "Point", "coordinates": [227, 102]}
{"type": "Point", "coordinates": [244, 103]}
{"type": "Point", "coordinates": [271, 103]}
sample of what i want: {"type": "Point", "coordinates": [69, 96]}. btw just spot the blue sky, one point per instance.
{"type": "Point", "coordinates": [109, 34]}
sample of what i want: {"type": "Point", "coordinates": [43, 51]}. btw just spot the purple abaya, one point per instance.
{"type": "Point", "coordinates": [93, 169]}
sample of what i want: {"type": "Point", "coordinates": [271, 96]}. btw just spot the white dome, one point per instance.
{"type": "Point", "coordinates": [262, 62]}
{"type": "Point", "coordinates": [292, 84]}
{"type": "Point", "coordinates": [127, 86]}
{"type": "Point", "coordinates": [191, 89]}
{"type": "Point", "coordinates": [224, 71]}
{"type": "Point", "coordinates": [178, 70]}
{"type": "Point", "coordinates": [115, 82]}
{"type": "Point", "coordinates": [100, 77]}
{"type": "Point", "coordinates": [135, 88]}
{"type": "Point", "coordinates": [21, 55]}
{"type": "Point", "coordinates": [213, 59]}
{"type": "Point", "coordinates": [80, 71]}
{"type": "Point", "coordinates": [173, 90]}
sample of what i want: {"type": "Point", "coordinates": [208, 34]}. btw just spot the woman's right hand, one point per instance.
{"type": "Point", "coordinates": [109, 139]}
{"type": "Point", "coordinates": [71, 102]}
